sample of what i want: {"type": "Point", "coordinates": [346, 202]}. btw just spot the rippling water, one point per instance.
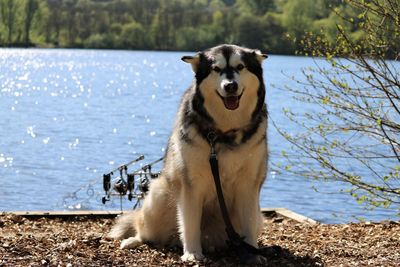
{"type": "Point", "coordinates": [68, 116]}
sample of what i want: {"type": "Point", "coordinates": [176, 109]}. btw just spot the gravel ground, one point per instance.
{"type": "Point", "coordinates": [80, 241]}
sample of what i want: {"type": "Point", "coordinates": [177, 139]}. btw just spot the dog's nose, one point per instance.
{"type": "Point", "coordinates": [231, 87]}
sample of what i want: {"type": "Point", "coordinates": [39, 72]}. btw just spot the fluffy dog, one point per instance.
{"type": "Point", "coordinates": [227, 99]}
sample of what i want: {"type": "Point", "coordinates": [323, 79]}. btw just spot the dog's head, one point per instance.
{"type": "Point", "coordinates": [226, 72]}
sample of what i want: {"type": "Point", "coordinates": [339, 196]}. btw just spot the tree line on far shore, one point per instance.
{"type": "Point", "coordinates": [275, 26]}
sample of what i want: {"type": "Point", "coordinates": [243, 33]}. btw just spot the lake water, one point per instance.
{"type": "Point", "coordinates": [68, 116]}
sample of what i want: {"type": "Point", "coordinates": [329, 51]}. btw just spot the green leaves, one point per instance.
{"type": "Point", "coordinates": [351, 130]}
{"type": "Point", "coordinates": [325, 100]}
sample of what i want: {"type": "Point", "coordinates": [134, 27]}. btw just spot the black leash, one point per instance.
{"type": "Point", "coordinates": [236, 242]}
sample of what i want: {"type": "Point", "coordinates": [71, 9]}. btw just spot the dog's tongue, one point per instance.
{"type": "Point", "coordinates": [231, 102]}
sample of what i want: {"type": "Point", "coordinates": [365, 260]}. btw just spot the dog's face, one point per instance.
{"type": "Point", "coordinates": [225, 73]}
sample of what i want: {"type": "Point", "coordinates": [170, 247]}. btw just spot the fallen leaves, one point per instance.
{"type": "Point", "coordinates": [81, 242]}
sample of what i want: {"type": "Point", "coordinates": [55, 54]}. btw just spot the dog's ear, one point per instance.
{"type": "Point", "coordinates": [259, 56]}
{"type": "Point", "coordinates": [193, 60]}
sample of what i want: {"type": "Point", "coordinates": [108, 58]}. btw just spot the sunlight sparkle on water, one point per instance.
{"type": "Point", "coordinates": [29, 130]}
{"type": "Point", "coordinates": [7, 160]}
{"type": "Point", "coordinates": [74, 144]}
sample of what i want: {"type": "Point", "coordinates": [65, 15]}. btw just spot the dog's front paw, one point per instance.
{"type": "Point", "coordinates": [196, 256]}
{"type": "Point", "coordinates": [131, 242]}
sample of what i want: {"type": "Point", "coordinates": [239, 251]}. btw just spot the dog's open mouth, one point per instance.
{"type": "Point", "coordinates": [231, 102]}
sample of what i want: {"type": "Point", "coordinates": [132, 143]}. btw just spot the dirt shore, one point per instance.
{"type": "Point", "coordinates": [80, 241]}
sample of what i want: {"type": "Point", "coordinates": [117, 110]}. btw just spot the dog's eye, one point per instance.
{"type": "Point", "coordinates": [240, 67]}
{"type": "Point", "coordinates": [217, 69]}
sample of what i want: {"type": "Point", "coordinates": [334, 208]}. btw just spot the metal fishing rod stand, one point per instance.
{"type": "Point", "coordinates": [125, 183]}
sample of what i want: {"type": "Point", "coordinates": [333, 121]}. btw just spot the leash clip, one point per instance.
{"type": "Point", "coordinates": [212, 137]}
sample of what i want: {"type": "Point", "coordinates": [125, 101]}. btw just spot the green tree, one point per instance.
{"type": "Point", "coordinates": [250, 31]}
{"type": "Point", "coordinates": [298, 16]}
{"type": "Point", "coordinates": [8, 14]}
{"type": "Point", "coordinates": [159, 28]}
{"type": "Point", "coordinates": [54, 22]}
{"type": "Point", "coordinates": [99, 41]}
{"type": "Point", "coordinates": [70, 11]}
{"type": "Point", "coordinates": [86, 18]}
{"type": "Point", "coordinates": [189, 38]}
{"type": "Point", "coordinates": [274, 34]}
{"type": "Point", "coordinates": [254, 7]}
{"type": "Point", "coordinates": [133, 36]}
{"type": "Point", "coordinates": [352, 128]}
{"type": "Point", "coordinates": [30, 9]}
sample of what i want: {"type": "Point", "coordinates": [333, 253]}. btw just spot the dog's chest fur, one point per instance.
{"type": "Point", "coordinates": [239, 162]}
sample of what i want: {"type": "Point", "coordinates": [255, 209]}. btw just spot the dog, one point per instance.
{"type": "Point", "coordinates": [227, 99]}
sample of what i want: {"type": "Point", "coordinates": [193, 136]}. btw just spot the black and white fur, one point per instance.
{"type": "Point", "coordinates": [227, 97]}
